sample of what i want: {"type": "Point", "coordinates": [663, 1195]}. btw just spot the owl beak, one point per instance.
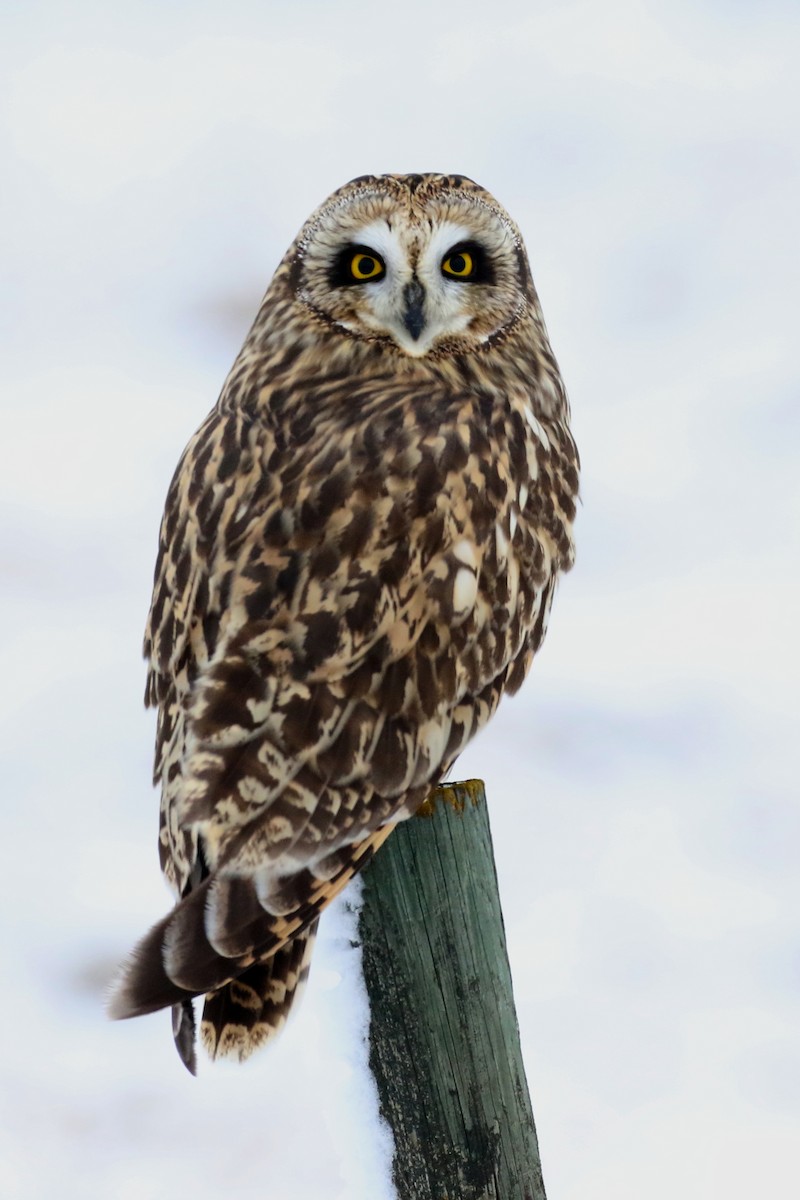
{"type": "Point", "coordinates": [414, 317]}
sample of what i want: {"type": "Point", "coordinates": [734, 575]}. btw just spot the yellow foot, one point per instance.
{"type": "Point", "coordinates": [457, 795]}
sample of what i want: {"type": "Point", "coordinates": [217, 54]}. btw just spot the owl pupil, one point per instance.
{"type": "Point", "coordinates": [458, 263]}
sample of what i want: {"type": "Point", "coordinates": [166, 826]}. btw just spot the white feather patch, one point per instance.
{"type": "Point", "coordinates": [465, 591]}
{"type": "Point", "coordinates": [464, 551]}
{"type": "Point", "coordinates": [537, 427]}
{"type": "Point", "coordinates": [502, 543]}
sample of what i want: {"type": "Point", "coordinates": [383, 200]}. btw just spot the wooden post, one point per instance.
{"type": "Point", "coordinates": [444, 1040]}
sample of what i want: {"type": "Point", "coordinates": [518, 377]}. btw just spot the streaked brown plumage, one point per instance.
{"type": "Point", "coordinates": [357, 560]}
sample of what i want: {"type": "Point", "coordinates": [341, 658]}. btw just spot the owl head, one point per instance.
{"type": "Point", "coordinates": [424, 265]}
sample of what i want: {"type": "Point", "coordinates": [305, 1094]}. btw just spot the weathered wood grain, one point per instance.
{"type": "Point", "coordinates": [444, 1040]}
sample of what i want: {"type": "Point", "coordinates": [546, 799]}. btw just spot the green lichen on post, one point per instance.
{"type": "Point", "coordinates": [444, 1041]}
{"type": "Point", "coordinates": [457, 795]}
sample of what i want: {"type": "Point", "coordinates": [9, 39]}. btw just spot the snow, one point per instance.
{"type": "Point", "coordinates": [643, 788]}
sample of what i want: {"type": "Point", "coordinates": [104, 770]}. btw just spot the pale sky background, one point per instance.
{"type": "Point", "coordinates": [157, 159]}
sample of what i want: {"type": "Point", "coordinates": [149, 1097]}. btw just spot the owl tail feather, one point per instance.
{"type": "Point", "coordinates": [242, 1016]}
{"type": "Point", "coordinates": [220, 941]}
{"type": "Point", "coordinates": [172, 963]}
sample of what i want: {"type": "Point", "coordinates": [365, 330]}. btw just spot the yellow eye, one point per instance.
{"type": "Point", "coordinates": [365, 266]}
{"type": "Point", "coordinates": [461, 265]}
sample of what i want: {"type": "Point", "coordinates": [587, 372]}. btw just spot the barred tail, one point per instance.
{"type": "Point", "coordinates": [220, 941]}
{"type": "Point", "coordinates": [241, 1017]}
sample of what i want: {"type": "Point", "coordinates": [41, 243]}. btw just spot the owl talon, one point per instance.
{"type": "Point", "coordinates": [457, 795]}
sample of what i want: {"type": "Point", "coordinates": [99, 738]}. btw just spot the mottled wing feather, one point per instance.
{"type": "Point", "coordinates": [190, 597]}
{"type": "Point", "coordinates": [365, 600]}
{"type": "Point", "coordinates": [338, 608]}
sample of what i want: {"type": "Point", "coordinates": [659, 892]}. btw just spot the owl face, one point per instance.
{"type": "Point", "coordinates": [427, 265]}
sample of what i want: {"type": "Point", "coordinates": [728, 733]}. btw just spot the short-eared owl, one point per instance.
{"type": "Point", "coordinates": [357, 560]}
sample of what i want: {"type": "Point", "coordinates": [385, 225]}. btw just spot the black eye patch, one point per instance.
{"type": "Point", "coordinates": [356, 265]}
{"type": "Point", "coordinates": [468, 262]}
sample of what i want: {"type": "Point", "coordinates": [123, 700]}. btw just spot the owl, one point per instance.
{"type": "Point", "coordinates": [357, 560]}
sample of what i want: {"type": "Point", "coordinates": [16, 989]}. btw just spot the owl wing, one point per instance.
{"type": "Point", "coordinates": [186, 611]}
{"type": "Point", "coordinates": [330, 625]}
